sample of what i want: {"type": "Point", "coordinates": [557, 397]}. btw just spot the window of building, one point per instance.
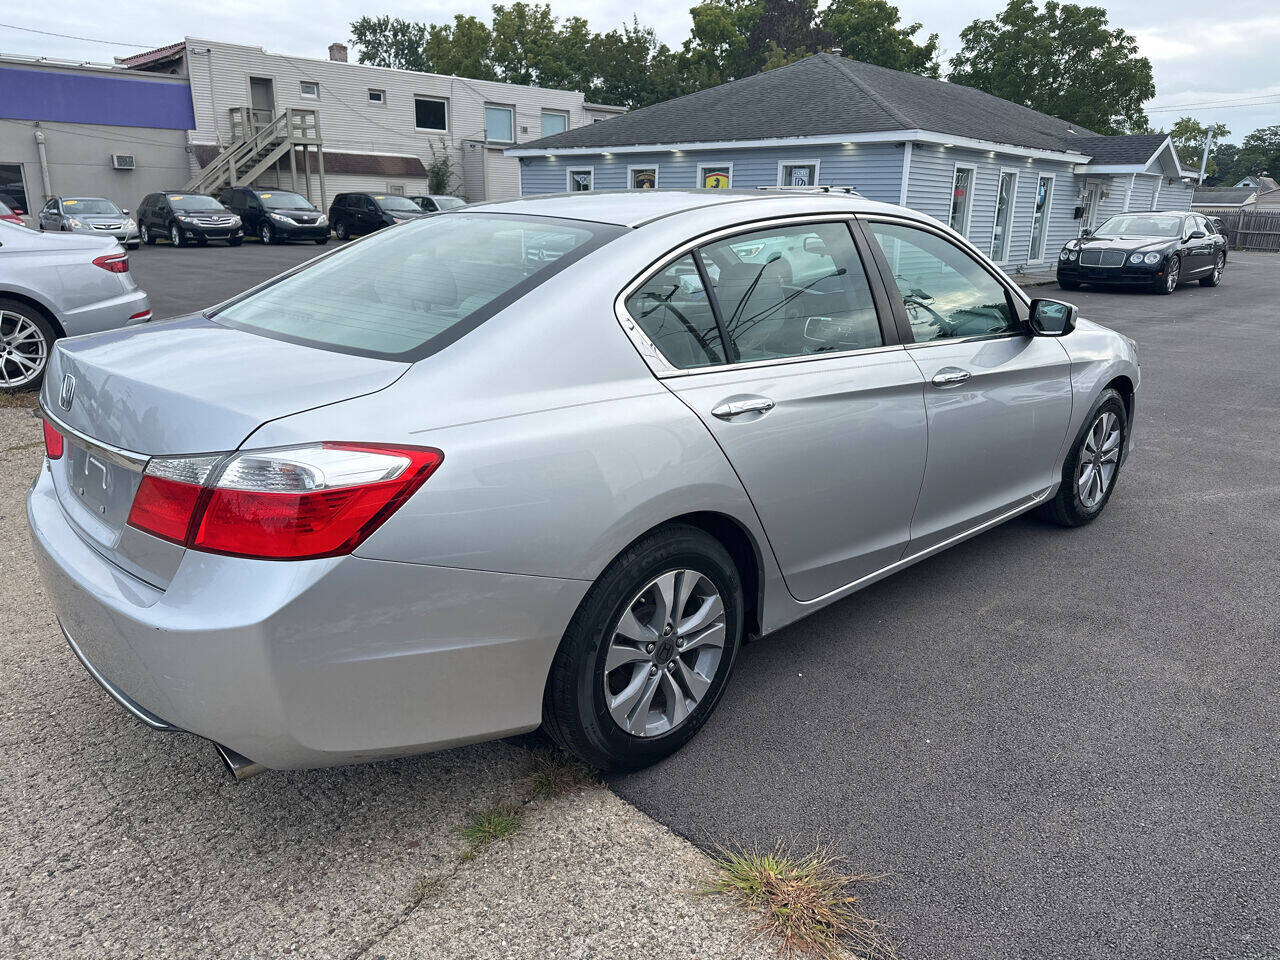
{"type": "Point", "coordinates": [962, 198]}
{"type": "Point", "coordinates": [581, 179]}
{"type": "Point", "coordinates": [309, 89]}
{"type": "Point", "coordinates": [1040, 216]}
{"type": "Point", "coordinates": [13, 194]}
{"type": "Point", "coordinates": [803, 174]}
{"type": "Point", "coordinates": [1004, 215]}
{"type": "Point", "coordinates": [554, 121]}
{"type": "Point", "coordinates": [499, 124]}
{"type": "Point", "coordinates": [430, 113]}
{"type": "Point", "coordinates": [717, 176]}
{"type": "Point", "coordinates": [378, 97]}
{"type": "Point", "coordinates": [642, 178]}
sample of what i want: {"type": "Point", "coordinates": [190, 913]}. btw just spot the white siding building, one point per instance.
{"type": "Point", "coordinates": [380, 127]}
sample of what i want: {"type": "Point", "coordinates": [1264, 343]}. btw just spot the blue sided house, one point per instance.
{"type": "Point", "coordinates": [1016, 182]}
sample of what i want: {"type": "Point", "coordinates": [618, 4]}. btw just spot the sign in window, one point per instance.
{"type": "Point", "coordinates": [961, 200]}
{"type": "Point", "coordinates": [644, 178]}
{"type": "Point", "coordinates": [799, 175]}
{"type": "Point", "coordinates": [715, 177]}
{"type": "Point", "coordinates": [581, 180]}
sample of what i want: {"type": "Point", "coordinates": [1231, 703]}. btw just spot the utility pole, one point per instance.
{"type": "Point", "coordinates": [1204, 158]}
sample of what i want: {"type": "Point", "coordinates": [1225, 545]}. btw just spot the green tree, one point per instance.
{"type": "Point", "coordinates": [871, 31]}
{"type": "Point", "coordinates": [391, 42]}
{"type": "Point", "coordinates": [1224, 156]}
{"type": "Point", "coordinates": [1062, 61]}
{"type": "Point", "coordinates": [718, 47]}
{"type": "Point", "coordinates": [1259, 153]}
{"type": "Point", "coordinates": [1189, 138]}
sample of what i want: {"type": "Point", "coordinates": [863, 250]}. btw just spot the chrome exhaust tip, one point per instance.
{"type": "Point", "coordinates": [240, 767]}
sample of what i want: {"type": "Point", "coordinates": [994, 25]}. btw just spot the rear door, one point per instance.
{"type": "Point", "coordinates": [780, 344]}
{"type": "Point", "coordinates": [998, 399]}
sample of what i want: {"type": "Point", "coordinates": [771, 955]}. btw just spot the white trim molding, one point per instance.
{"type": "Point", "coordinates": [906, 174]}
{"type": "Point", "coordinates": [815, 163]}
{"type": "Point", "coordinates": [728, 164]}
{"type": "Point", "coordinates": [581, 168]}
{"type": "Point", "coordinates": [967, 219]}
{"type": "Point", "coordinates": [887, 136]}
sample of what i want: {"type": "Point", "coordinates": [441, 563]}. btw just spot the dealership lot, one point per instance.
{"type": "Point", "coordinates": [1059, 743]}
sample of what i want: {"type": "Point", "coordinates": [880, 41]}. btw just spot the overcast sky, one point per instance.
{"type": "Point", "coordinates": [1221, 55]}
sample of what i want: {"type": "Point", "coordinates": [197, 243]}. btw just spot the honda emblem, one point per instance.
{"type": "Point", "coordinates": [68, 392]}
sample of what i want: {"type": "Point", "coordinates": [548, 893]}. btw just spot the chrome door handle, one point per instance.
{"type": "Point", "coordinates": [736, 408]}
{"type": "Point", "coordinates": [950, 376]}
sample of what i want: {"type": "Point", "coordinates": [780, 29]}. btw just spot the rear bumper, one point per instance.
{"type": "Point", "coordinates": [109, 314]}
{"type": "Point", "coordinates": [313, 663]}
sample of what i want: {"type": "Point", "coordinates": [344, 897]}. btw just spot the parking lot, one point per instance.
{"type": "Point", "coordinates": [1056, 743]}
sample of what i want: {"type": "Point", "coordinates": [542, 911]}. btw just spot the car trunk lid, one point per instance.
{"type": "Point", "coordinates": [181, 387]}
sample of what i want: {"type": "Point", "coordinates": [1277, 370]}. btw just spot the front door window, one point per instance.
{"type": "Point", "coordinates": [1004, 216]}
{"type": "Point", "coordinates": [1040, 217]}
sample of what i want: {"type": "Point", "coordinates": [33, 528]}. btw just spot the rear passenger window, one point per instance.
{"type": "Point", "coordinates": [792, 292]}
{"type": "Point", "coordinates": [673, 310]}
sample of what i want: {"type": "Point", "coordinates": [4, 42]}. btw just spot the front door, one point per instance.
{"type": "Point", "coordinates": [1092, 197]}
{"type": "Point", "coordinates": [998, 400]}
{"type": "Point", "coordinates": [819, 412]}
{"type": "Point", "coordinates": [262, 100]}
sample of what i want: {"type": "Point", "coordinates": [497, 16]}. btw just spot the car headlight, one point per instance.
{"type": "Point", "coordinates": [187, 219]}
{"type": "Point", "coordinates": [1153, 257]}
{"type": "Point", "coordinates": [235, 221]}
{"type": "Point", "coordinates": [130, 224]}
{"type": "Point", "coordinates": [1065, 254]}
{"type": "Point", "coordinates": [74, 223]}
{"type": "Point", "coordinates": [281, 217]}
{"type": "Point", "coordinates": [1135, 258]}
{"type": "Point", "coordinates": [322, 222]}
{"type": "Point", "coordinates": [1074, 254]}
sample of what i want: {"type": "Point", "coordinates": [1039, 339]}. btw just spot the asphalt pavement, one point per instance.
{"type": "Point", "coordinates": [1058, 743]}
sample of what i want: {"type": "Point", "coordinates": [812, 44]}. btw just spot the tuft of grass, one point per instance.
{"type": "Point", "coordinates": [489, 825]}
{"type": "Point", "coordinates": [553, 773]}
{"type": "Point", "coordinates": [803, 901]}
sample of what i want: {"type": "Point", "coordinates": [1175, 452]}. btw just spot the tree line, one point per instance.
{"type": "Point", "coordinates": [1062, 59]}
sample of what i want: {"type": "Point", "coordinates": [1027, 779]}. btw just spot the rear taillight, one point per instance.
{"type": "Point", "coordinates": [141, 316]}
{"type": "Point", "coordinates": [52, 441]}
{"type": "Point", "coordinates": [294, 503]}
{"type": "Point", "coordinates": [114, 262]}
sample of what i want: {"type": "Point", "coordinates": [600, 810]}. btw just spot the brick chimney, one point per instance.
{"type": "Point", "coordinates": [338, 52]}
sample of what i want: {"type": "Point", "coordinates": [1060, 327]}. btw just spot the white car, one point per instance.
{"type": "Point", "coordinates": [58, 285]}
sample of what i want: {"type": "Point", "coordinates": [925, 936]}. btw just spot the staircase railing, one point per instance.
{"type": "Point", "coordinates": [258, 141]}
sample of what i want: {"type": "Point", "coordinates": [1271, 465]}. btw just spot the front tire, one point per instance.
{"type": "Point", "coordinates": [26, 340]}
{"type": "Point", "coordinates": [1093, 466]}
{"type": "Point", "coordinates": [1172, 274]}
{"type": "Point", "coordinates": [266, 233]}
{"type": "Point", "coordinates": [648, 653]}
{"type": "Point", "coordinates": [175, 236]}
{"type": "Point", "coordinates": [1215, 278]}
{"type": "Point", "coordinates": [234, 241]}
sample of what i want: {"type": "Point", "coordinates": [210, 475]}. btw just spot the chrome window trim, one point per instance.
{"type": "Point", "coordinates": [117, 455]}
{"type": "Point", "coordinates": [661, 367]}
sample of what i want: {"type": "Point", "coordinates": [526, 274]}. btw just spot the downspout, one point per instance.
{"type": "Point", "coordinates": [44, 164]}
{"type": "Point", "coordinates": [906, 173]}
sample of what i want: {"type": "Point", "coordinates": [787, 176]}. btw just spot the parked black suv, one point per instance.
{"type": "Point", "coordinates": [275, 216]}
{"type": "Point", "coordinates": [185, 218]}
{"type": "Point", "coordinates": [354, 214]}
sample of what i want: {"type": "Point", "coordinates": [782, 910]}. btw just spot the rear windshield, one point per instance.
{"type": "Point", "coordinates": [403, 294]}
{"type": "Point", "coordinates": [393, 202]}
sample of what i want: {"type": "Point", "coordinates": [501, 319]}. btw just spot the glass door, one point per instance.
{"type": "Point", "coordinates": [1040, 217]}
{"type": "Point", "coordinates": [1004, 216]}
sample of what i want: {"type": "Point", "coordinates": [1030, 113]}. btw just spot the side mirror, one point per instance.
{"type": "Point", "coordinates": [1197, 235]}
{"type": "Point", "coordinates": [125, 211]}
{"type": "Point", "coordinates": [1052, 318]}
{"type": "Point", "coordinates": [19, 211]}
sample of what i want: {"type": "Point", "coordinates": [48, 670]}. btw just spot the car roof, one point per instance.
{"type": "Point", "coordinates": [633, 208]}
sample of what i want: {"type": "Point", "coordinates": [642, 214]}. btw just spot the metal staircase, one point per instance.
{"type": "Point", "coordinates": [258, 142]}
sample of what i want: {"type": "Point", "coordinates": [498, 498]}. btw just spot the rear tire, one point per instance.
{"type": "Point", "coordinates": [147, 237]}
{"type": "Point", "coordinates": [576, 709]}
{"type": "Point", "coordinates": [1215, 278]}
{"type": "Point", "coordinates": [26, 341]}
{"type": "Point", "coordinates": [1078, 501]}
{"type": "Point", "coordinates": [340, 228]}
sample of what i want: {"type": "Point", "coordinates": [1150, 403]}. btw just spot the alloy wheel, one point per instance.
{"type": "Point", "coordinates": [1099, 458]}
{"type": "Point", "coordinates": [175, 237]}
{"type": "Point", "coordinates": [1218, 266]}
{"type": "Point", "coordinates": [663, 653]}
{"type": "Point", "coordinates": [266, 233]}
{"type": "Point", "coordinates": [1171, 275]}
{"type": "Point", "coordinates": [23, 350]}
{"type": "Point", "coordinates": [144, 234]}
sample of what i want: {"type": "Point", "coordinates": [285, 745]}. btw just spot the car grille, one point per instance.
{"type": "Point", "coordinates": [107, 226]}
{"type": "Point", "coordinates": [1102, 258]}
{"type": "Point", "coordinates": [213, 221]}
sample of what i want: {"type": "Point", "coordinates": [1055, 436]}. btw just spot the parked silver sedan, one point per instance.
{"type": "Point", "coordinates": [92, 215]}
{"type": "Point", "coordinates": [548, 462]}
{"type": "Point", "coordinates": [56, 285]}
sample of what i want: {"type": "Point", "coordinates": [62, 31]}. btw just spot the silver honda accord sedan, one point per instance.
{"type": "Point", "coordinates": [547, 462]}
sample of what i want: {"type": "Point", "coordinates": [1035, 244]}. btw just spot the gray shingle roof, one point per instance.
{"type": "Point", "coordinates": [1234, 196]}
{"type": "Point", "coordinates": [1131, 148]}
{"type": "Point", "coordinates": [828, 95]}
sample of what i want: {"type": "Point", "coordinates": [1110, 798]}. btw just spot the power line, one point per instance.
{"type": "Point", "coordinates": [1187, 107]}
{"type": "Point", "coordinates": [68, 36]}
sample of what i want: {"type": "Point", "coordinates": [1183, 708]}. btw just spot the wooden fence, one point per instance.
{"type": "Point", "coordinates": [1253, 229]}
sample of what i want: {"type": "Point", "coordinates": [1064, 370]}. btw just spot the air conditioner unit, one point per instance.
{"type": "Point", "coordinates": [122, 161]}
